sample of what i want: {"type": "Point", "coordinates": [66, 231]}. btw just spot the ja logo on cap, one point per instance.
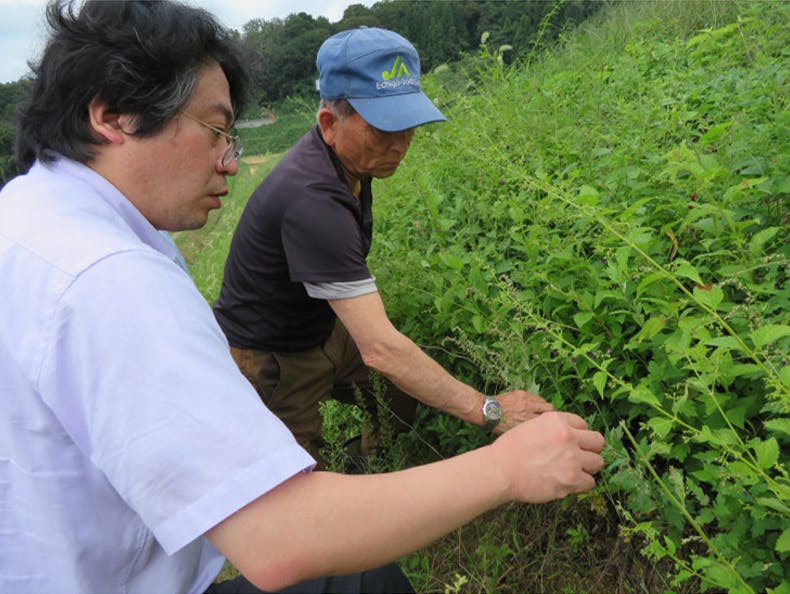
{"type": "Point", "coordinates": [398, 70]}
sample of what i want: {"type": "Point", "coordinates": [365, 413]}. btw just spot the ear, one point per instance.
{"type": "Point", "coordinates": [327, 122]}
{"type": "Point", "coordinates": [108, 126]}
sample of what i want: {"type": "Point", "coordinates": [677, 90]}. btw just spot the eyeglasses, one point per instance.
{"type": "Point", "coordinates": [234, 150]}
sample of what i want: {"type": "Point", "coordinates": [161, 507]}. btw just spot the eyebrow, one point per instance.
{"type": "Point", "coordinates": [227, 113]}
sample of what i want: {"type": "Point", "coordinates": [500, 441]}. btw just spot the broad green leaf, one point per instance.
{"type": "Point", "coordinates": [721, 575]}
{"type": "Point", "coordinates": [760, 239]}
{"type": "Point", "coordinates": [782, 588]}
{"type": "Point", "coordinates": [783, 542]}
{"type": "Point", "coordinates": [768, 334]}
{"type": "Point", "coordinates": [774, 504]}
{"type": "Point", "coordinates": [446, 224]}
{"type": "Point", "coordinates": [767, 452]}
{"type": "Point", "coordinates": [517, 214]}
{"type": "Point", "coordinates": [781, 425]}
{"type": "Point", "coordinates": [718, 573]}
{"type": "Point", "coordinates": [708, 474]}
{"type": "Point", "coordinates": [581, 318]}
{"type": "Point", "coordinates": [670, 544]}
{"type": "Point", "coordinates": [649, 280]}
{"type": "Point", "coordinates": [686, 270]}
{"type": "Point", "coordinates": [642, 394]}
{"type": "Point", "coordinates": [661, 426]}
{"type": "Point", "coordinates": [600, 296]}
{"type": "Point", "coordinates": [588, 196]}
{"type": "Point", "coordinates": [452, 261]}
{"type": "Point", "coordinates": [712, 297]}
{"type": "Point", "coordinates": [477, 280]}
{"type": "Point", "coordinates": [784, 375]}
{"type": "Point", "coordinates": [740, 369]}
{"type": "Point", "coordinates": [736, 416]}
{"type": "Point", "coordinates": [650, 328]}
{"type": "Point", "coordinates": [720, 437]}
{"type": "Point", "coordinates": [599, 381]}
{"type": "Point", "coordinates": [714, 134]}
{"type": "Point", "coordinates": [727, 342]}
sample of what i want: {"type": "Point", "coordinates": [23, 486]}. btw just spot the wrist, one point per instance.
{"type": "Point", "coordinates": [492, 412]}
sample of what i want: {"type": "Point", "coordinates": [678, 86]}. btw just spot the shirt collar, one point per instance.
{"type": "Point", "coordinates": [127, 212]}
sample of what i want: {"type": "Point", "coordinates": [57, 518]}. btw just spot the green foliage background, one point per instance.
{"type": "Point", "coordinates": [281, 52]}
{"type": "Point", "coordinates": [609, 220]}
{"type": "Point", "coordinates": [605, 218]}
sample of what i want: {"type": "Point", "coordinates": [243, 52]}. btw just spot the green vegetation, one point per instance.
{"type": "Point", "coordinates": [10, 97]}
{"type": "Point", "coordinates": [607, 220]}
{"type": "Point", "coordinates": [281, 52]}
{"type": "Point", "coordinates": [610, 222]}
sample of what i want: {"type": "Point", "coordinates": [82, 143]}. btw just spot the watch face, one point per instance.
{"type": "Point", "coordinates": [492, 412]}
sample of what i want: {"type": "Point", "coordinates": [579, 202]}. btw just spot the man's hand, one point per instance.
{"type": "Point", "coordinates": [519, 406]}
{"type": "Point", "coordinates": [549, 457]}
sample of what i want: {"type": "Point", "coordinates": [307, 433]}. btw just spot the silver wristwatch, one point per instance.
{"type": "Point", "coordinates": [492, 413]}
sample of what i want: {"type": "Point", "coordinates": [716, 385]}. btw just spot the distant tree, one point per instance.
{"type": "Point", "coordinates": [280, 54]}
{"type": "Point", "coordinates": [357, 15]}
{"type": "Point", "coordinates": [11, 97]}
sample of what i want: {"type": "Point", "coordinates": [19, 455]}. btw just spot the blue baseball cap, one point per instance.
{"type": "Point", "coordinates": [378, 72]}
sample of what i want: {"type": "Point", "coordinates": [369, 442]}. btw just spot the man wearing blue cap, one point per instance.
{"type": "Point", "coordinates": [298, 303]}
{"type": "Point", "coordinates": [134, 464]}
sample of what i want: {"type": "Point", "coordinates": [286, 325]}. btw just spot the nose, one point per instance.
{"type": "Point", "coordinates": [400, 141]}
{"type": "Point", "coordinates": [231, 168]}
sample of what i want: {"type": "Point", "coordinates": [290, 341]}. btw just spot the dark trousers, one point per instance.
{"type": "Point", "coordinates": [292, 385]}
{"type": "Point", "coordinates": [384, 580]}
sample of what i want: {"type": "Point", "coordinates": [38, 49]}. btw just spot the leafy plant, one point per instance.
{"type": "Point", "coordinates": [606, 223]}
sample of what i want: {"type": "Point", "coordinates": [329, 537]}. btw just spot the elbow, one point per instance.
{"type": "Point", "coordinates": [273, 577]}
{"type": "Point", "coordinates": [382, 356]}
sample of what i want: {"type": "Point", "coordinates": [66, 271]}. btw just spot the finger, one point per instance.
{"type": "Point", "coordinates": [573, 420]}
{"type": "Point", "coordinates": [591, 462]}
{"type": "Point", "coordinates": [591, 441]}
{"type": "Point", "coordinates": [539, 405]}
{"type": "Point", "coordinates": [585, 483]}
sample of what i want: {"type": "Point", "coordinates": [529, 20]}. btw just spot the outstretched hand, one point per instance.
{"type": "Point", "coordinates": [549, 457]}
{"type": "Point", "coordinates": [519, 406]}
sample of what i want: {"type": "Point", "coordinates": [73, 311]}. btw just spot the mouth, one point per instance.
{"type": "Point", "coordinates": [216, 198]}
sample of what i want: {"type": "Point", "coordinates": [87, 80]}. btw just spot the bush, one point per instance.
{"type": "Point", "coordinates": [609, 222]}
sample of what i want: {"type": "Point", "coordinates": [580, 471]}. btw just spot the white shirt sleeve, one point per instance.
{"type": "Point", "coordinates": [141, 377]}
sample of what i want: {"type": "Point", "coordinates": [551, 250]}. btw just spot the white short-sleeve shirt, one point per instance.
{"type": "Point", "coordinates": [126, 430]}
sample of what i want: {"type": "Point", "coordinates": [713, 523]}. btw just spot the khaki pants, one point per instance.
{"type": "Point", "coordinates": [292, 385]}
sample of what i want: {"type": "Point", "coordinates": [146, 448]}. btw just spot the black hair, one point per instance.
{"type": "Point", "coordinates": [140, 58]}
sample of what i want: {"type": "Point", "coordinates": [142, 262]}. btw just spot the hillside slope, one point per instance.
{"type": "Point", "coordinates": [610, 222]}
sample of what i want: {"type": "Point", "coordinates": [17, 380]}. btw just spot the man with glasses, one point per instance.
{"type": "Point", "coordinates": [234, 150]}
{"type": "Point", "coordinates": [298, 302]}
{"type": "Point", "coordinates": [134, 457]}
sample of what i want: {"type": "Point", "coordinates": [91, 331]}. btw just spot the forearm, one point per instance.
{"type": "Point", "coordinates": [325, 524]}
{"type": "Point", "coordinates": [388, 351]}
{"type": "Point", "coordinates": [417, 374]}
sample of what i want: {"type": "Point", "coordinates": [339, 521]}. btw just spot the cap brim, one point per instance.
{"type": "Point", "coordinates": [397, 112]}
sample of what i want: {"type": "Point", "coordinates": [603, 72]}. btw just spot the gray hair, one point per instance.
{"type": "Point", "coordinates": [340, 108]}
